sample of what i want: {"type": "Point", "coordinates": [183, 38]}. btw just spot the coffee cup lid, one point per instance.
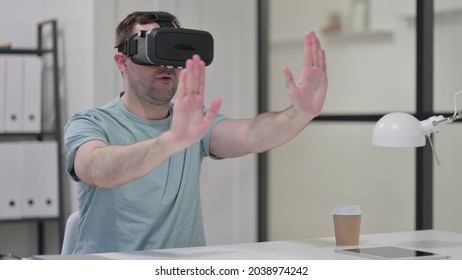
{"type": "Point", "coordinates": [347, 210]}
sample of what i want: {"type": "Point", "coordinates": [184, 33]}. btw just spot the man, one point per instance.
{"type": "Point", "coordinates": [137, 159]}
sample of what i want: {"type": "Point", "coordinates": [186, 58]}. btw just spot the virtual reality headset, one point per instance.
{"type": "Point", "coordinates": [168, 45]}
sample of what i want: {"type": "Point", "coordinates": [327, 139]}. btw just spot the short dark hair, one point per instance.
{"type": "Point", "coordinates": [125, 28]}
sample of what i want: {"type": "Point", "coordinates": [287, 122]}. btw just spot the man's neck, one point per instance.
{"type": "Point", "coordinates": [143, 109]}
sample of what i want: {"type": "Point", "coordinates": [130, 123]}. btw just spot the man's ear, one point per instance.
{"type": "Point", "coordinates": [121, 61]}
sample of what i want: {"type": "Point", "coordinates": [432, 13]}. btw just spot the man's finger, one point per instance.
{"type": "Point", "coordinates": [213, 109]}
{"type": "Point", "coordinates": [182, 80]}
{"type": "Point", "coordinates": [288, 78]}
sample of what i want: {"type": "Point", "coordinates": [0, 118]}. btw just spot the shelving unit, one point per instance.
{"type": "Point", "coordinates": [368, 34]}
{"type": "Point", "coordinates": [55, 135]}
{"type": "Point", "coordinates": [364, 34]}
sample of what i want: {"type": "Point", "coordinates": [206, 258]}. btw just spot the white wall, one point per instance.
{"type": "Point", "coordinates": [90, 78]}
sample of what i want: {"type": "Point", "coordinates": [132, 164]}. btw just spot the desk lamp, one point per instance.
{"type": "Point", "coordinates": [404, 130]}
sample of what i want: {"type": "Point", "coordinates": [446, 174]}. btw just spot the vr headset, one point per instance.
{"type": "Point", "coordinates": [168, 45]}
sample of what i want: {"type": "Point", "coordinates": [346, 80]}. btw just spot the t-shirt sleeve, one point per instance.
{"type": "Point", "coordinates": [206, 138]}
{"type": "Point", "coordinates": [81, 128]}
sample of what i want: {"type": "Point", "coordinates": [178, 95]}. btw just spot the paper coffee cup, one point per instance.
{"type": "Point", "coordinates": [347, 224]}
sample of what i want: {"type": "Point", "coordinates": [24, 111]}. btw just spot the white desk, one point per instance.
{"type": "Point", "coordinates": [310, 249]}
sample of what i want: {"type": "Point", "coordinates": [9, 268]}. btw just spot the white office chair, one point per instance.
{"type": "Point", "coordinates": [70, 234]}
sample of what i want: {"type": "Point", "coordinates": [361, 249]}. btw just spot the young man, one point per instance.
{"type": "Point", "coordinates": [137, 159]}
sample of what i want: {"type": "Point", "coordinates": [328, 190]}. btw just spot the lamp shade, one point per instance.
{"type": "Point", "coordinates": [398, 130]}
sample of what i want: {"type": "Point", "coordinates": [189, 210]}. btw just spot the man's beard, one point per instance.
{"type": "Point", "coordinates": [154, 96]}
{"type": "Point", "coordinates": [161, 95]}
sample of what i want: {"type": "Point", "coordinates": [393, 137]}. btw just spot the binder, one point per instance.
{"type": "Point", "coordinates": [32, 81]}
{"type": "Point", "coordinates": [28, 180]}
{"type": "Point", "coordinates": [30, 186]}
{"type": "Point", "coordinates": [10, 180]}
{"type": "Point", "coordinates": [39, 194]}
{"type": "Point", "coordinates": [46, 177]}
{"type": "Point", "coordinates": [14, 94]}
{"type": "Point", "coordinates": [2, 93]}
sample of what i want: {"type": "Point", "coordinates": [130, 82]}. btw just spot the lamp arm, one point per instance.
{"type": "Point", "coordinates": [432, 124]}
{"type": "Point", "coordinates": [455, 117]}
{"type": "Point", "coordinates": [456, 112]}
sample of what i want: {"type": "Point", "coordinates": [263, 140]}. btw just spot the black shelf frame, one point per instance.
{"type": "Point", "coordinates": [55, 135]}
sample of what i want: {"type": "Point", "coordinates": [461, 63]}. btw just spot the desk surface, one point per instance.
{"type": "Point", "coordinates": [448, 243]}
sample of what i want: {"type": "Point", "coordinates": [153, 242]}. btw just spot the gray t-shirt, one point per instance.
{"type": "Point", "coordinates": [159, 210]}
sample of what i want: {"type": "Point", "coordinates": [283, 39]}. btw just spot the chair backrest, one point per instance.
{"type": "Point", "coordinates": [70, 234]}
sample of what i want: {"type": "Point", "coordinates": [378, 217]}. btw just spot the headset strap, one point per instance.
{"type": "Point", "coordinates": [164, 19]}
{"type": "Point", "coordinates": [130, 47]}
